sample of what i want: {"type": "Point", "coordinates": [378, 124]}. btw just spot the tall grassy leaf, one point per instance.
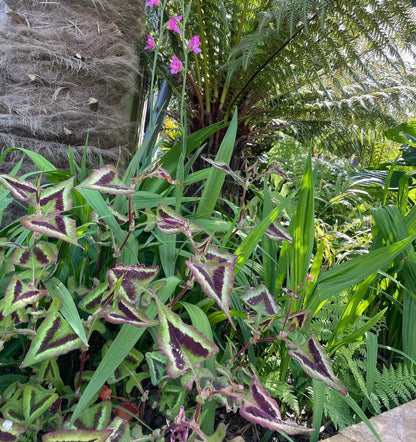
{"type": "Point", "coordinates": [302, 231]}
{"type": "Point", "coordinates": [216, 177]}
{"type": "Point", "coordinates": [251, 241]}
{"type": "Point", "coordinates": [348, 273]}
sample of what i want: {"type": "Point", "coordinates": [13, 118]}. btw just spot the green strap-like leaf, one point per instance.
{"type": "Point", "coordinates": [216, 177]}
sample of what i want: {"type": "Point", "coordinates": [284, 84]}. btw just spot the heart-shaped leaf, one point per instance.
{"type": "Point", "coordinates": [170, 222]}
{"type": "Point", "coordinates": [55, 226]}
{"type": "Point", "coordinates": [216, 278]}
{"type": "Point", "coordinates": [10, 431]}
{"type": "Point", "coordinates": [260, 408]}
{"type": "Point", "coordinates": [20, 294]}
{"type": "Point", "coordinates": [157, 366]}
{"type": "Point", "coordinates": [316, 363]}
{"type": "Point", "coordinates": [299, 319]}
{"type": "Point", "coordinates": [94, 298]}
{"type": "Point", "coordinates": [95, 417]}
{"type": "Point", "coordinates": [58, 198]}
{"type": "Point", "coordinates": [261, 301]}
{"type": "Point", "coordinates": [184, 345]}
{"type": "Point", "coordinates": [135, 279]}
{"type": "Point", "coordinates": [106, 180]}
{"type": "Point", "coordinates": [53, 338]}
{"type": "Point", "coordinates": [36, 257]}
{"type": "Point", "coordinates": [125, 312]}
{"type": "Point", "coordinates": [21, 190]}
{"type": "Point", "coordinates": [36, 401]}
{"type": "Point", "coordinates": [77, 436]}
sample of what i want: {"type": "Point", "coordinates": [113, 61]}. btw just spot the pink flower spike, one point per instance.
{"type": "Point", "coordinates": [309, 277]}
{"type": "Point", "coordinates": [173, 24]}
{"type": "Point", "coordinates": [194, 44]}
{"type": "Point", "coordinates": [151, 3]}
{"type": "Point", "coordinates": [150, 43]}
{"type": "Point", "coordinates": [175, 65]}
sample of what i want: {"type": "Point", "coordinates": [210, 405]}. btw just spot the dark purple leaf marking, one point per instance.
{"type": "Point", "coordinates": [50, 342]}
{"type": "Point", "coordinates": [106, 178]}
{"type": "Point", "coordinates": [41, 256]}
{"type": "Point", "coordinates": [7, 437]}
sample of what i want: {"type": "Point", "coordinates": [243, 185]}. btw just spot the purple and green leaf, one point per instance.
{"type": "Point", "coordinates": [106, 180]}
{"type": "Point", "coordinates": [136, 278]}
{"type": "Point", "coordinates": [10, 431]}
{"type": "Point", "coordinates": [55, 226]}
{"type": "Point", "coordinates": [216, 278]}
{"type": "Point", "coordinates": [260, 408]}
{"type": "Point", "coordinates": [184, 346]}
{"type": "Point", "coordinates": [20, 189]}
{"type": "Point", "coordinates": [261, 301]}
{"type": "Point", "coordinates": [125, 312]}
{"type": "Point", "coordinates": [36, 401]}
{"type": "Point", "coordinates": [54, 337]}
{"type": "Point", "coordinates": [36, 257]}
{"type": "Point", "coordinates": [316, 363]}
{"type": "Point", "coordinates": [20, 294]}
{"type": "Point", "coordinates": [170, 222]}
{"type": "Point", "coordinates": [77, 436]}
{"type": "Point", "coordinates": [58, 198]}
{"type": "Point", "coordinates": [276, 232]}
{"type": "Point", "coordinates": [95, 417]}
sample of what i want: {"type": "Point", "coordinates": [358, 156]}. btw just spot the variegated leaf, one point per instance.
{"type": "Point", "coordinates": [37, 257]}
{"type": "Point", "coordinates": [36, 401]}
{"type": "Point", "coordinates": [10, 431]}
{"type": "Point", "coordinates": [95, 417]}
{"type": "Point", "coordinates": [58, 198]}
{"type": "Point", "coordinates": [216, 278]}
{"type": "Point", "coordinates": [135, 279]}
{"type": "Point", "coordinates": [124, 312]}
{"type": "Point", "coordinates": [262, 301]}
{"type": "Point", "coordinates": [316, 363]}
{"type": "Point", "coordinates": [170, 222]}
{"type": "Point", "coordinates": [183, 344]}
{"type": "Point", "coordinates": [157, 366]}
{"type": "Point", "coordinates": [77, 436]}
{"type": "Point", "coordinates": [21, 190]}
{"type": "Point", "coordinates": [53, 338]}
{"type": "Point", "coordinates": [55, 226]}
{"type": "Point", "coordinates": [106, 180]}
{"type": "Point", "coordinates": [20, 294]}
{"type": "Point", "coordinates": [221, 165]}
{"type": "Point", "coordinates": [94, 298]}
{"type": "Point", "coordinates": [260, 408]}
{"type": "Point", "coordinates": [276, 232]}
{"type": "Point", "coordinates": [299, 319]}
{"type": "Point", "coordinates": [157, 172]}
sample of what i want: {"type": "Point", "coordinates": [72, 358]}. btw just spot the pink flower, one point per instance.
{"type": "Point", "coordinates": [194, 44]}
{"type": "Point", "coordinates": [175, 65]}
{"type": "Point", "coordinates": [150, 42]}
{"type": "Point", "coordinates": [173, 24]}
{"type": "Point", "coordinates": [309, 277]}
{"type": "Point", "coordinates": [151, 3]}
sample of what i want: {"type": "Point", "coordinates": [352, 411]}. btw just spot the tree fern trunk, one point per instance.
{"type": "Point", "coordinates": [68, 70]}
